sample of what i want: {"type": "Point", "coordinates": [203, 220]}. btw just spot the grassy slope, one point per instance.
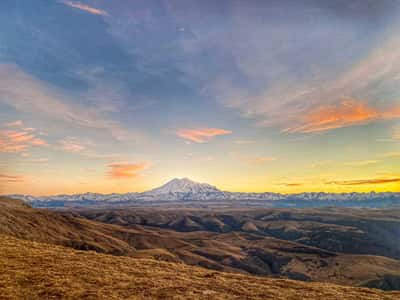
{"type": "Point", "coordinates": [220, 251]}
{"type": "Point", "coordinates": [31, 270]}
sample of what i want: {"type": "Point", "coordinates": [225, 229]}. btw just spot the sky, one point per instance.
{"type": "Point", "coordinates": [122, 96]}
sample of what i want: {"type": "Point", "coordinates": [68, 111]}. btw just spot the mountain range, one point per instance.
{"type": "Point", "coordinates": [190, 193]}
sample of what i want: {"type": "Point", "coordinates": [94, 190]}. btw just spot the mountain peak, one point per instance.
{"type": "Point", "coordinates": [184, 185]}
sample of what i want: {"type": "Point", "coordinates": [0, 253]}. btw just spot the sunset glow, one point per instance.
{"type": "Point", "coordinates": [122, 96]}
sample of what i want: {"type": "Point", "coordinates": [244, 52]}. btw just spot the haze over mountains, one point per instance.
{"type": "Point", "coordinates": [189, 193]}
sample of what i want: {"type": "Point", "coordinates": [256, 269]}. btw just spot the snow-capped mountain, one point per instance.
{"type": "Point", "coordinates": [190, 192]}
{"type": "Point", "coordinates": [184, 185]}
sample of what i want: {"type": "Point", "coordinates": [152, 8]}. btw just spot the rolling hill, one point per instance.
{"type": "Point", "coordinates": [226, 241]}
{"type": "Point", "coordinates": [31, 270]}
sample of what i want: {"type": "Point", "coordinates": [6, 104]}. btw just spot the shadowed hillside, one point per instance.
{"type": "Point", "coordinates": [353, 231]}
{"type": "Point", "coordinates": [31, 270]}
{"type": "Point", "coordinates": [239, 247]}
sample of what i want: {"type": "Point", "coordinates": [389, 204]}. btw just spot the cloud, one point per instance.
{"type": "Point", "coordinates": [85, 7]}
{"type": "Point", "coordinates": [19, 141]}
{"type": "Point", "coordinates": [362, 163]}
{"type": "Point", "coordinates": [343, 114]}
{"type": "Point", "coordinates": [17, 123]}
{"type": "Point", "coordinates": [27, 94]}
{"type": "Point", "coordinates": [71, 145]}
{"type": "Point", "coordinates": [391, 154]}
{"type": "Point", "coordinates": [346, 113]}
{"type": "Point", "coordinates": [319, 164]}
{"type": "Point", "coordinates": [126, 170]}
{"type": "Point", "coordinates": [11, 178]}
{"type": "Point", "coordinates": [86, 148]}
{"type": "Point", "coordinates": [366, 181]}
{"type": "Point", "coordinates": [201, 135]}
{"type": "Point", "coordinates": [291, 184]}
{"type": "Point", "coordinates": [36, 160]}
{"type": "Point", "coordinates": [364, 92]}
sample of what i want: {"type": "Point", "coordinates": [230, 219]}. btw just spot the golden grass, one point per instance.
{"type": "Point", "coordinates": [31, 270]}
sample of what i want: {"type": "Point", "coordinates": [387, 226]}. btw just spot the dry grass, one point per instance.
{"type": "Point", "coordinates": [31, 270]}
{"type": "Point", "coordinates": [232, 251]}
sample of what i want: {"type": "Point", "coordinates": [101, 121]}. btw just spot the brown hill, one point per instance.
{"type": "Point", "coordinates": [41, 225]}
{"type": "Point", "coordinates": [347, 246]}
{"type": "Point", "coordinates": [31, 270]}
{"type": "Point", "coordinates": [353, 231]}
{"type": "Point", "coordinates": [242, 249]}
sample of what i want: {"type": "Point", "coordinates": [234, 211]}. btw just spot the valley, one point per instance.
{"type": "Point", "coordinates": [348, 247]}
{"type": "Point", "coordinates": [34, 271]}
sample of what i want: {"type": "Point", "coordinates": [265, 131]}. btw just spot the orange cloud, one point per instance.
{"type": "Point", "coordinates": [11, 178]}
{"type": "Point", "coordinates": [291, 184]}
{"type": "Point", "coordinates": [86, 8]}
{"type": "Point", "coordinates": [201, 135]}
{"type": "Point", "coordinates": [18, 141]}
{"type": "Point", "coordinates": [346, 113]}
{"type": "Point", "coordinates": [38, 142]}
{"type": "Point", "coordinates": [126, 170]}
{"type": "Point", "coordinates": [366, 181]}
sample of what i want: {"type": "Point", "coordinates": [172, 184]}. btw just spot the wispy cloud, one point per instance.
{"type": "Point", "coordinates": [11, 178]}
{"type": "Point", "coordinates": [123, 170]}
{"type": "Point", "coordinates": [365, 181]}
{"type": "Point", "coordinates": [84, 7]}
{"type": "Point", "coordinates": [291, 184]}
{"type": "Point", "coordinates": [318, 105]}
{"type": "Point", "coordinates": [17, 123]}
{"type": "Point", "coordinates": [27, 94]}
{"type": "Point", "coordinates": [19, 140]}
{"type": "Point", "coordinates": [319, 164]}
{"type": "Point", "coordinates": [362, 163]}
{"type": "Point", "coordinates": [391, 154]}
{"type": "Point", "coordinates": [71, 145]}
{"type": "Point", "coordinates": [346, 113]}
{"type": "Point", "coordinates": [201, 135]}
{"type": "Point", "coordinates": [36, 160]}
{"type": "Point", "coordinates": [86, 148]}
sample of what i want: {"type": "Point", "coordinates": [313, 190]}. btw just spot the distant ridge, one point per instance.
{"type": "Point", "coordinates": [188, 192]}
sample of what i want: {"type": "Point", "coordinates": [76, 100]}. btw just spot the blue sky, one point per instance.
{"type": "Point", "coordinates": [248, 95]}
